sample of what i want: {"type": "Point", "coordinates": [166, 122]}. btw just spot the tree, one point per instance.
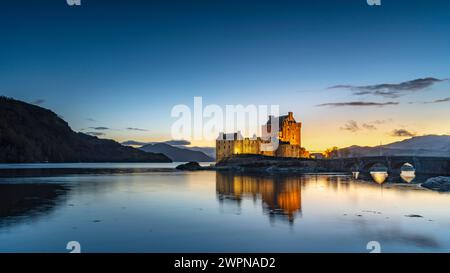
{"type": "Point", "coordinates": [331, 152]}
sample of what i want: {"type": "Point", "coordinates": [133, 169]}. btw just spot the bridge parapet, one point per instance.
{"type": "Point", "coordinates": [423, 165]}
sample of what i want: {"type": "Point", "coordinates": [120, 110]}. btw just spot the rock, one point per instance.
{"type": "Point", "coordinates": [190, 166]}
{"type": "Point", "coordinates": [414, 215]}
{"type": "Point", "coordinates": [440, 183]}
{"type": "Point", "coordinates": [274, 169]}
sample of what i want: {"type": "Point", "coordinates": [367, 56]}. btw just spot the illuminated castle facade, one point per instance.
{"type": "Point", "coordinates": [287, 134]}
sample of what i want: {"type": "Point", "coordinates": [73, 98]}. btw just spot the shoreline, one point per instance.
{"type": "Point", "coordinates": [48, 172]}
{"type": "Point", "coordinates": [235, 169]}
{"type": "Point", "coordinates": [55, 172]}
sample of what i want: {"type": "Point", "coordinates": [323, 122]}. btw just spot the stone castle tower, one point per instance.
{"type": "Point", "coordinates": [287, 132]}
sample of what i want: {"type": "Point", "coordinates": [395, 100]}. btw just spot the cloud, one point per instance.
{"type": "Point", "coordinates": [134, 143]}
{"type": "Point", "coordinates": [136, 129]}
{"type": "Point", "coordinates": [95, 133]}
{"type": "Point", "coordinates": [170, 142]}
{"type": "Point", "coordinates": [383, 233]}
{"type": "Point", "coordinates": [439, 101]}
{"type": "Point", "coordinates": [391, 90]}
{"type": "Point", "coordinates": [403, 237]}
{"type": "Point", "coordinates": [402, 133]}
{"type": "Point", "coordinates": [91, 119]}
{"type": "Point", "coordinates": [369, 126]}
{"type": "Point", "coordinates": [38, 101]}
{"type": "Point", "coordinates": [178, 142]}
{"type": "Point", "coordinates": [351, 126]}
{"type": "Point", "coordinates": [419, 240]}
{"type": "Point", "coordinates": [381, 121]}
{"type": "Point", "coordinates": [99, 128]}
{"type": "Point", "coordinates": [358, 104]}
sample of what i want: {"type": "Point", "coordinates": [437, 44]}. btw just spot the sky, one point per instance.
{"type": "Point", "coordinates": [352, 73]}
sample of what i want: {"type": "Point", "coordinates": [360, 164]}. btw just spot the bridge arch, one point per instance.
{"type": "Point", "coordinates": [369, 165]}
{"type": "Point", "coordinates": [352, 165]}
{"type": "Point", "coordinates": [399, 164]}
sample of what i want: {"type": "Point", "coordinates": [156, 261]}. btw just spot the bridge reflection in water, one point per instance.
{"type": "Point", "coordinates": [281, 196]}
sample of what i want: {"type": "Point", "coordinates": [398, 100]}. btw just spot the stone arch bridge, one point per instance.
{"type": "Point", "coordinates": [422, 164]}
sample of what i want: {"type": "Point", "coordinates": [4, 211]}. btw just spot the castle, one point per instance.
{"type": "Point", "coordinates": [286, 135]}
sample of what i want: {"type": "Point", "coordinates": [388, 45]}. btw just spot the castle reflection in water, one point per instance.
{"type": "Point", "coordinates": [281, 196]}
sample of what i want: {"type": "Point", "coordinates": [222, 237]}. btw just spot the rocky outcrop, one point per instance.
{"type": "Point", "coordinates": [267, 164]}
{"type": "Point", "coordinates": [190, 166]}
{"type": "Point", "coordinates": [440, 183]}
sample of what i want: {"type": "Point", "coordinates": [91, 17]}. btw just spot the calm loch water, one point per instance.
{"type": "Point", "coordinates": [219, 212]}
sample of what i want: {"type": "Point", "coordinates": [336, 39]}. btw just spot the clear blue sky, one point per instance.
{"type": "Point", "coordinates": [122, 64]}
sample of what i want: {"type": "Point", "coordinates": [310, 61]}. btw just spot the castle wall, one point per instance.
{"type": "Point", "coordinates": [251, 146]}
{"type": "Point", "coordinates": [287, 150]}
{"type": "Point", "coordinates": [224, 148]}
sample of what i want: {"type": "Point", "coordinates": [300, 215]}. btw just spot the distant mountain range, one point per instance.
{"type": "Point", "coordinates": [177, 148]}
{"type": "Point", "coordinates": [429, 145]}
{"type": "Point", "coordinates": [176, 153]}
{"type": "Point", "coordinates": [29, 133]}
{"type": "Point", "coordinates": [209, 151]}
